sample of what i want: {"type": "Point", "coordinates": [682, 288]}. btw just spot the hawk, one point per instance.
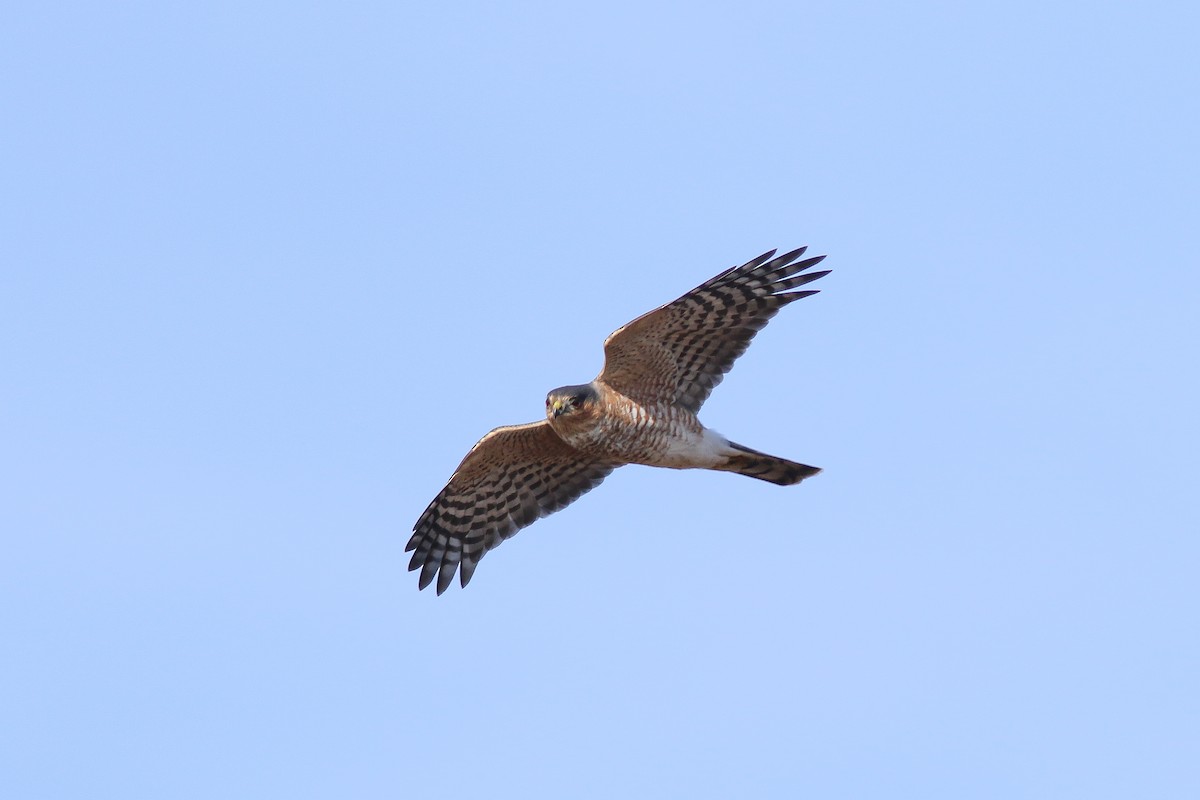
{"type": "Point", "coordinates": [641, 409]}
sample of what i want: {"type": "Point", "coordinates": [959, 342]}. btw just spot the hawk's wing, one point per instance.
{"type": "Point", "coordinates": [511, 477]}
{"type": "Point", "coordinates": [679, 352]}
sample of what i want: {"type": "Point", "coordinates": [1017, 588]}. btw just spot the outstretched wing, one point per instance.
{"type": "Point", "coordinates": [511, 477]}
{"type": "Point", "coordinates": [679, 352]}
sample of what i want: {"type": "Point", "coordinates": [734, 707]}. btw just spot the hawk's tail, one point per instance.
{"type": "Point", "coordinates": [766, 468]}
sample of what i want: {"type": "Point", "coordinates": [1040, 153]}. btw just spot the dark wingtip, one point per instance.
{"type": "Point", "coordinates": [791, 256]}
{"type": "Point", "coordinates": [445, 576]}
{"type": "Point", "coordinates": [428, 570]}
{"type": "Point", "coordinates": [754, 263]}
{"type": "Point", "coordinates": [790, 297]}
{"type": "Point", "coordinates": [799, 279]}
{"type": "Point", "coordinates": [465, 570]}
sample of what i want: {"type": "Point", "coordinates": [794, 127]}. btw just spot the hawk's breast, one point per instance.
{"type": "Point", "coordinates": [657, 435]}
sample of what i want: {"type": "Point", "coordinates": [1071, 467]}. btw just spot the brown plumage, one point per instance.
{"type": "Point", "coordinates": [641, 409]}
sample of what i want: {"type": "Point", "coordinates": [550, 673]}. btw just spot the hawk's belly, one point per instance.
{"type": "Point", "coordinates": [636, 434]}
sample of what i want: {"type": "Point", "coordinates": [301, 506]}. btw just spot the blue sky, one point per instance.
{"type": "Point", "coordinates": [268, 270]}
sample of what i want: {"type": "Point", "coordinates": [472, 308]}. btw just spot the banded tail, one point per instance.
{"type": "Point", "coordinates": [754, 464]}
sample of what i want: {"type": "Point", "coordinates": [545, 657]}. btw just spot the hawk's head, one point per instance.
{"type": "Point", "coordinates": [569, 399]}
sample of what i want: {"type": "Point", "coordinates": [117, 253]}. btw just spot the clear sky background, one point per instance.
{"type": "Point", "coordinates": [270, 269]}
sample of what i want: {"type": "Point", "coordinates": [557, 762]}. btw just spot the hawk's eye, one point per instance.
{"type": "Point", "coordinates": [547, 402]}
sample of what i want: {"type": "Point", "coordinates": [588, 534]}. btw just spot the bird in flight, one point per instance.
{"type": "Point", "coordinates": [641, 409]}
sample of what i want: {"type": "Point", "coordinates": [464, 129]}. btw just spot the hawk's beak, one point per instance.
{"type": "Point", "coordinates": [557, 407]}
